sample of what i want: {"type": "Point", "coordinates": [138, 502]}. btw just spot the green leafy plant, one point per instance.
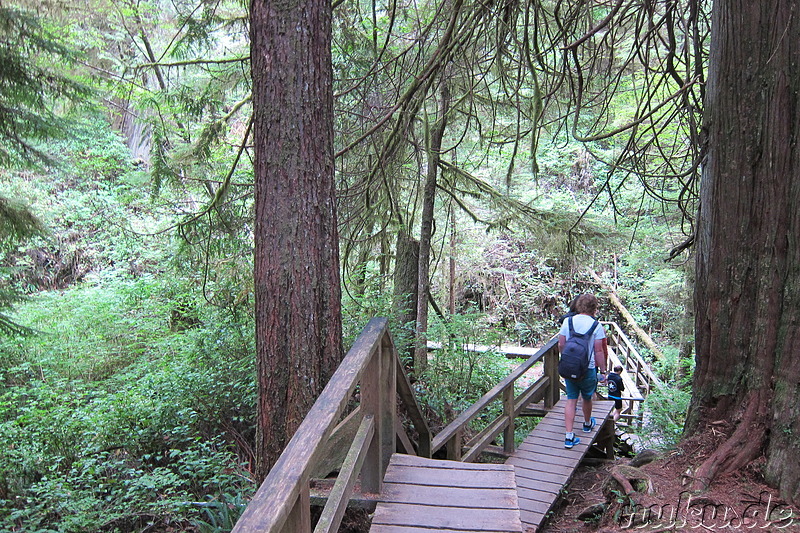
{"type": "Point", "coordinates": [220, 513]}
{"type": "Point", "coordinates": [134, 431]}
{"type": "Point", "coordinates": [666, 410]}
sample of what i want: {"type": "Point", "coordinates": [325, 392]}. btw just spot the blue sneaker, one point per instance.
{"type": "Point", "coordinates": [570, 442]}
{"type": "Point", "coordinates": [590, 426]}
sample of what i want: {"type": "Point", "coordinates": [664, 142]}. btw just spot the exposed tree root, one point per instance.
{"type": "Point", "coordinates": [744, 445]}
{"type": "Point", "coordinates": [630, 480]}
{"type": "Point", "coordinates": [627, 488]}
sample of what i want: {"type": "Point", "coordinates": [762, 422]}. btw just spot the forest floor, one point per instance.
{"type": "Point", "coordinates": [594, 501]}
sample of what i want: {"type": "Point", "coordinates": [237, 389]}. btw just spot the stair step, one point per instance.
{"type": "Point", "coordinates": [432, 495]}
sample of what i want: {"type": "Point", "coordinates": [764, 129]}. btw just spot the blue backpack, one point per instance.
{"type": "Point", "coordinates": [574, 361]}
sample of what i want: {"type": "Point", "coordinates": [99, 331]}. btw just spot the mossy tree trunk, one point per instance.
{"type": "Point", "coordinates": [406, 274]}
{"type": "Point", "coordinates": [748, 250]}
{"type": "Point", "coordinates": [297, 283]}
{"type": "Point", "coordinates": [434, 148]}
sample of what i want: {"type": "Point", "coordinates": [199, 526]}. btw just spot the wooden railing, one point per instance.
{"type": "Point", "coordinates": [643, 377]}
{"type": "Point", "coordinates": [283, 502]}
{"type": "Point", "coordinates": [642, 380]}
{"type": "Point", "coordinates": [545, 388]}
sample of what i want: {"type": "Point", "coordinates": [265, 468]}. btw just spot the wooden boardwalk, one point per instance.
{"type": "Point", "coordinates": [424, 495]}
{"type": "Point", "coordinates": [543, 466]}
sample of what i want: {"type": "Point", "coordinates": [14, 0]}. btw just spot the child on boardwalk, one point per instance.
{"type": "Point", "coordinates": [615, 388]}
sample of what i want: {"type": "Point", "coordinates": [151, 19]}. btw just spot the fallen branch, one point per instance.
{"type": "Point", "coordinates": [642, 334]}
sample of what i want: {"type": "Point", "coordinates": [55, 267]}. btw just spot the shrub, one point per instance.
{"type": "Point", "coordinates": [456, 378]}
{"type": "Point", "coordinates": [109, 421]}
{"type": "Point", "coordinates": [665, 412]}
{"type": "Point", "coordinates": [112, 491]}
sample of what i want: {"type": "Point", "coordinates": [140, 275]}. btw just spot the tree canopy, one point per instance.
{"type": "Point", "coordinates": [34, 85]}
{"type": "Point", "coordinates": [475, 153]}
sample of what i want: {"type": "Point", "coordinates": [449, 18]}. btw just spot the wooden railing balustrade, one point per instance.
{"type": "Point", "coordinates": [634, 363]}
{"type": "Point", "coordinates": [642, 378]}
{"type": "Point", "coordinates": [283, 502]}
{"type": "Point", "coordinates": [545, 388]}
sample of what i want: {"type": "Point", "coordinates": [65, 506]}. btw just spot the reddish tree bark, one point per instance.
{"type": "Point", "coordinates": [298, 298]}
{"type": "Point", "coordinates": [748, 249]}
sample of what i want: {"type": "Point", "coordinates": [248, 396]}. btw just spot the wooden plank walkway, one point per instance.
{"type": "Point", "coordinates": [510, 351]}
{"type": "Point", "coordinates": [424, 495]}
{"type": "Point", "coordinates": [543, 466]}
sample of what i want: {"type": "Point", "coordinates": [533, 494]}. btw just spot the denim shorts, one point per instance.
{"type": "Point", "coordinates": [585, 387]}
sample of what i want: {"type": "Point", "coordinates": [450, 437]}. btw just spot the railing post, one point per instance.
{"type": "Point", "coordinates": [634, 369]}
{"type": "Point", "coordinates": [551, 371]}
{"type": "Point", "coordinates": [454, 446]}
{"type": "Point", "coordinates": [388, 385]}
{"type": "Point", "coordinates": [299, 519]}
{"type": "Point", "coordinates": [508, 412]}
{"type": "Point", "coordinates": [372, 404]}
{"type": "Point", "coordinates": [406, 394]}
{"type": "Point", "coordinates": [606, 437]}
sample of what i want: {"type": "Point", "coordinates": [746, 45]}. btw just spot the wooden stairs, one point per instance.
{"type": "Point", "coordinates": [425, 495]}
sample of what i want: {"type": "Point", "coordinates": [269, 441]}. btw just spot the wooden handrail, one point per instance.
{"type": "Point", "coordinates": [282, 502]}
{"type": "Point", "coordinates": [547, 386]}
{"type": "Point", "coordinates": [631, 391]}
{"type": "Point", "coordinates": [340, 495]}
{"type": "Point", "coordinates": [640, 365]}
{"type": "Point", "coordinates": [409, 400]}
{"type": "Point", "coordinates": [638, 378]}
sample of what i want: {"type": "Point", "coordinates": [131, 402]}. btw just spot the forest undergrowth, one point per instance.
{"type": "Point", "coordinates": [130, 406]}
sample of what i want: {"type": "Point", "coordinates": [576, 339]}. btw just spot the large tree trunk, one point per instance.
{"type": "Point", "coordinates": [298, 298]}
{"type": "Point", "coordinates": [748, 254]}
